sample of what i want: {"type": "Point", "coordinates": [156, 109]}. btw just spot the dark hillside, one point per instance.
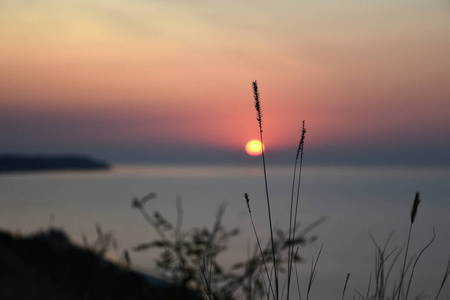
{"type": "Point", "coordinates": [48, 266]}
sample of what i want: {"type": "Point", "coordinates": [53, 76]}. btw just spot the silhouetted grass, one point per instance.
{"type": "Point", "coordinates": [383, 278]}
{"type": "Point", "coordinates": [259, 119]}
{"type": "Point", "coordinates": [293, 214]}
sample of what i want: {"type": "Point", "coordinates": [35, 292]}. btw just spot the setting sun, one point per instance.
{"type": "Point", "coordinates": [254, 147]}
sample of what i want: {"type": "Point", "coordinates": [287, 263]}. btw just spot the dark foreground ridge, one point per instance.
{"type": "Point", "coordinates": [48, 266]}
{"type": "Point", "coordinates": [36, 163]}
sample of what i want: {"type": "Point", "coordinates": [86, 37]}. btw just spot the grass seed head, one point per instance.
{"type": "Point", "coordinates": [415, 207]}
{"type": "Point", "coordinates": [247, 199]}
{"type": "Point", "coordinates": [302, 141]}
{"type": "Point", "coordinates": [257, 103]}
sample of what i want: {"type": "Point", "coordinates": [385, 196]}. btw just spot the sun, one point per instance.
{"type": "Point", "coordinates": [254, 147]}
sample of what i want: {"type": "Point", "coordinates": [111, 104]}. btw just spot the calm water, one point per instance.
{"type": "Point", "coordinates": [354, 201]}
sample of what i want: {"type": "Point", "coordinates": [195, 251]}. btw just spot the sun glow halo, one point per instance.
{"type": "Point", "coordinates": [254, 147]}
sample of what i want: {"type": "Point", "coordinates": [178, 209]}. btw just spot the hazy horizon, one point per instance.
{"type": "Point", "coordinates": [211, 156]}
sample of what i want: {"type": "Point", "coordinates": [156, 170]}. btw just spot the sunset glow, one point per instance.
{"type": "Point", "coordinates": [140, 77]}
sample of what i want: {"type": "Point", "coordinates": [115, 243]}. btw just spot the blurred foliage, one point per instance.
{"type": "Point", "coordinates": [104, 242]}
{"type": "Point", "coordinates": [190, 259]}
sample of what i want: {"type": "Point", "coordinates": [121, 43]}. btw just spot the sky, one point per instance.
{"type": "Point", "coordinates": [171, 81]}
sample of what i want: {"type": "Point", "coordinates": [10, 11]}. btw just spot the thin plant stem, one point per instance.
{"type": "Point", "coordinates": [179, 223]}
{"type": "Point", "coordinates": [293, 226]}
{"type": "Point", "coordinates": [299, 154]}
{"type": "Point", "coordinates": [380, 261]}
{"type": "Point", "coordinates": [291, 238]}
{"type": "Point", "coordinates": [444, 279]}
{"type": "Point", "coordinates": [298, 281]}
{"type": "Point", "coordinates": [415, 263]}
{"type": "Point", "coordinates": [360, 295]}
{"type": "Point", "coordinates": [205, 271]}
{"type": "Point", "coordinates": [258, 242]}
{"type": "Point", "coordinates": [259, 119]}
{"type": "Point", "coordinates": [368, 286]}
{"type": "Point", "coordinates": [345, 286]}
{"type": "Point", "coordinates": [313, 272]}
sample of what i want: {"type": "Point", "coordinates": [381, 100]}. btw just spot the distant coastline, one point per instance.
{"type": "Point", "coordinates": [10, 163]}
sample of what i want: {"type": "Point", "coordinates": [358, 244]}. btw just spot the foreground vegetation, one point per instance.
{"type": "Point", "coordinates": [190, 259]}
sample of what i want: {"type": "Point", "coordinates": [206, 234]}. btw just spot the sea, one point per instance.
{"type": "Point", "coordinates": [354, 207]}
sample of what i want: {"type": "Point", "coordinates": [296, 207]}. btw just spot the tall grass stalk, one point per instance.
{"type": "Point", "coordinates": [291, 239]}
{"type": "Point", "coordinates": [259, 119]}
{"type": "Point", "coordinates": [292, 223]}
{"type": "Point", "coordinates": [412, 219]}
{"type": "Point", "coordinates": [247, 199]}
{"type": "Point", "coordinates": [415, 263]}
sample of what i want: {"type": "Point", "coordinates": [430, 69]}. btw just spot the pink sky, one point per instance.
{"type": "Point", "coordinates": [109, 74]}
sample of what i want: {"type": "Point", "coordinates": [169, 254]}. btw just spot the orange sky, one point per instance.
{"type": "Point", "coordinates": [109, 74]}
